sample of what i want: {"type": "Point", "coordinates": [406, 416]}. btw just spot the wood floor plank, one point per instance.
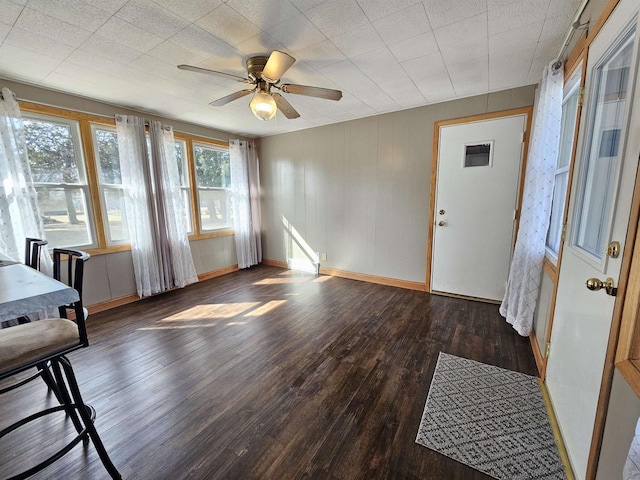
{"type": "Point", "coordinates": [266, 374]}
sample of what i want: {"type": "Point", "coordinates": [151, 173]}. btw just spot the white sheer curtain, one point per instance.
{"type": "Point", "coordinates": [19, 212]}
{"type": "Point", "coordinates": [154, 209]}
{"type": "Point", "coordinates": [520, 299]}
{"type": "Point", "coordinates": [245, 188]}
{"type": "Point", "coordinates": [172, 211]}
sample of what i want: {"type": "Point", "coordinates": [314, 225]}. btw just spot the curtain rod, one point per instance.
{"type": "Point", "coordinates": [147, 123]}
{"type": "Point", "coordinates": [576, 25]}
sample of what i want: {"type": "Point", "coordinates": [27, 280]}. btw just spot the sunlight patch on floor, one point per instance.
{"type": "Point", "coordinates": [322, 279]}
{"type": "Point", "coordinates": [218, 310]}
{"type": "Point", "coordinates": [288, 273]}
{"type": "Point", "coordinates": [266, 308]}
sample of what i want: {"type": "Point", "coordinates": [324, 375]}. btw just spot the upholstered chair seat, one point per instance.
{"type": "Point", "coordinates": [29, 343]}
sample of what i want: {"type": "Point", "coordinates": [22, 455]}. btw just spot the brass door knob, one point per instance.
{"type": "Point", "coordinates": [442, 223]}
{"type": "Point", "coordinates": [595, 284]}
{"type": "Point", "coordinates": [613, 249]}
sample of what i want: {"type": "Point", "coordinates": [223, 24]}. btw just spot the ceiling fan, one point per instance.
{"type": "Point", "coordinates": [264, 74]}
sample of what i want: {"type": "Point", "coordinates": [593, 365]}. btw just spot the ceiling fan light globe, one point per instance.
{"type": "Point", "coordinates": [263, 106]}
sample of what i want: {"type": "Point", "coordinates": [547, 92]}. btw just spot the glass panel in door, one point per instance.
{"type": "Point", "coordinates": [599, 173]}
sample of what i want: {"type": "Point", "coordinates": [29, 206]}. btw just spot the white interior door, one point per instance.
{"type": "Point", "coordinates": [602, 192]}
{"type": "Point", "coordinates": [477, 188]}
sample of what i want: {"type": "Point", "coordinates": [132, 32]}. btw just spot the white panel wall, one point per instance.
{"type": "Point", "coordinates": [359, 191]}
{"type": "Point", "coordinates": [111, 276]}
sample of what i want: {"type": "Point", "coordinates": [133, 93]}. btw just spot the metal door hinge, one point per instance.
{"type": "Point", "coordinates": [547, 350]}
{"type": "Point", "coordinates": [564, 232]}
{"type": "Point", "coordinates": [523, 137]}
{"type": "Point", "coordinates": [580, 96]}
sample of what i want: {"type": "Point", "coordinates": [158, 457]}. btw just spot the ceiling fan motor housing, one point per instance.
{"type": "Point", "coordinates": [255, 65]}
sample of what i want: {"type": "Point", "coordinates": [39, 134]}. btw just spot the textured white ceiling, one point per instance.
{"type": "Point", "coordinates": [384, 55]}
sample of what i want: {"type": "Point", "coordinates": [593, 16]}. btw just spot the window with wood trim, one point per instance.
{"type": "Point", "coordinates": [76, 169]}
{"type": "Point", "coordinates": [105, 144]}
{"type": "Point", "coordinates": [213, 182]}
{"type": "Point", "coordinates": [54, 149]}
{"type": "Point", "coordinates": [565, 153]}
{"type": "Point", "coordinates": [183, 171]}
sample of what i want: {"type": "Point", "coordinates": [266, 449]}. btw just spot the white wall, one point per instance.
{"type": "Point", "coordinates": [359, 191]}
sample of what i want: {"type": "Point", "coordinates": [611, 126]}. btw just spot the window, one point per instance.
{"type": "Point", "coordinates": [54, 149]}
{"type": "Point", "coordinates": [105, 143]}
{"type": "Point", "coordinates": [213, 180]}
{"type": "Point", "coordinates": [183, 172]}
{"type": "Point", "coordinates": [565, 151]}
{"type": "Point", "coordinates": [477, 155]}
{"type": "Point", "coordinates": [74, 158]}
{"type": "Point", "coordinates": [600, 172]}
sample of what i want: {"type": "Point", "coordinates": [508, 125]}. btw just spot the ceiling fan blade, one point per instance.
{"type": "Point", "coordinates": [285, 107]}
{"type": "Point", "coordinates": [230, 76]}
{"type": "Point", "coordinates": [278, 63]}
{"type": "Point", "coordinates": [230, 98]}
{"type": "Point", "coordinates": [327, 93]}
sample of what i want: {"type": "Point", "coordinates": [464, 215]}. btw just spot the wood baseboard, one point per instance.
{"type": "Point", "coordinates": [218, 273]}
{"type": "Point", "coordinates": [275, 263]}
{"type": "Point", "coordinates": [133, 297]}
{"type": "Point", "coordinates": [557, 434]}
{"type": "Point", "coordinates": [113, 303]}
{"type": "Point", "coordinates": [466, 297]}
{"type": "Point", "coordinates": [363, 277]}
{"type": "Point", "coordinates": [537, 354]}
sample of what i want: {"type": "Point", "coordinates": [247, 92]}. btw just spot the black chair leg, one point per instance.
{"type": "Point", "coordinates": [86, 419]}
{"type": "Point", "coordinates": [66, 398]}
{"type": "Point", "coordinates": [45, 373]}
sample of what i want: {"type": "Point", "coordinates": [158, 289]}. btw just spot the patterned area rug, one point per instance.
{"type": "Point", "coordinates": [491, 419]}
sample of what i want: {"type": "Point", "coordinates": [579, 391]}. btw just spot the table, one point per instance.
{"type": "Point", "coordinates": [24, 291]}
{"type": "Point", "coordinates": [5, 260]}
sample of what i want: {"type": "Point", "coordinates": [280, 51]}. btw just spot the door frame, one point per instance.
{"type": "Point", "coordinates": [580, 54]}
{"type": "Point", "coordinates": [528, 111]}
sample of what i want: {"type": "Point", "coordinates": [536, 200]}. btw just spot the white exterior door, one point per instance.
{"type": "Point", "coordinates": [477, 188]}
{"type": "Point", "coordinates": [601, 196]}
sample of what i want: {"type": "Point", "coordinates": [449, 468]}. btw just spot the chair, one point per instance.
{"type": "Point", "coordinates": [33, 247]}
{"type": "Point", "coordinates": [48, 342]}
{"type": "Point", "coordinates": [74, 273]}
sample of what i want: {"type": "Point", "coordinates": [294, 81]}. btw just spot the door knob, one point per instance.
{"type": "Point", "coordinates": [441, 212]}
{"type": "Point", "coordinates": [442, 223]}
{"type": "Point", "coordinates": [595, 284]}
{"type": "Point", "coordinates": [613, 249]}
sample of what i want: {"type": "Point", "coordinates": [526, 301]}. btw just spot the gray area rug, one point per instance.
{"type": "Point", "coordinates": [491, 419]}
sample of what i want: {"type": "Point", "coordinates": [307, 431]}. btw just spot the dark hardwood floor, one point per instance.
{"type": "Point", "coordinates": [267, 374]}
